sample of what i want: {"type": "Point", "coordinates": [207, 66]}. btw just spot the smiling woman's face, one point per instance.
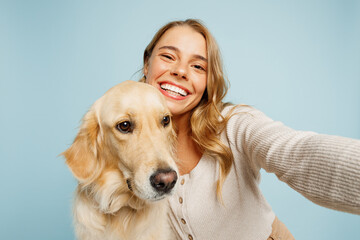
{"type": "Point", "coordinates": [178, 68]}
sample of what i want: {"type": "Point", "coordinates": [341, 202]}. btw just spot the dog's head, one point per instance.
{"type": "Point", "coordinates": [126, 139]}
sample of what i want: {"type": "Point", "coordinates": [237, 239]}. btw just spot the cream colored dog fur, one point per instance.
{"type": "Point", "coordinates": [124, 162]}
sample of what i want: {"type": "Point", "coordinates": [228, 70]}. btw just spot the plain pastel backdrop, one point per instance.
{"type": "Point", "coordinates": [297, 61]}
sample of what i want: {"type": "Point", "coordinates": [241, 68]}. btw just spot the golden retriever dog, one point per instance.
{"type": "Point", "coordinates": [123, 159]}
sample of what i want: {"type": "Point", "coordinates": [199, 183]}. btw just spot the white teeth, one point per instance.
{"type": "Point", "coordinates": [174, 89]}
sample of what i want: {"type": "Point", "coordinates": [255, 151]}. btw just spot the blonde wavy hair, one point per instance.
{"type": "Point", "coordinates": [206, 120]}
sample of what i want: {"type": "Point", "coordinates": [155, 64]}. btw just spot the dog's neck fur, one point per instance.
{"type": "Point", "coordinates": [109, 193]}
{"type": "Point", "coordinates": [107, 202]}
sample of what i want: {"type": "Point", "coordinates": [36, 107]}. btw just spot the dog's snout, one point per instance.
{"type": "Point", "coordinates": [163, 180]}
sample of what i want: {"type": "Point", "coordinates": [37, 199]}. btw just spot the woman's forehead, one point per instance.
{"type": "Point", "coordinates": [184, 39]}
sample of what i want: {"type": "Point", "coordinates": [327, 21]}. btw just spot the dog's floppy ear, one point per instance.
{"type": "Point", "coordinates": [82, 155]}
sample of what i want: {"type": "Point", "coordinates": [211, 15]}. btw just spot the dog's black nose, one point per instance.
{"type": "Point", "coordinates": [163, 180]}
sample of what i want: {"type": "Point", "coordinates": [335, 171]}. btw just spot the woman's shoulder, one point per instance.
{"type": "Point", "coordinates": [230, 110]}
{"type": "Point", "coordinates": [242, 117]}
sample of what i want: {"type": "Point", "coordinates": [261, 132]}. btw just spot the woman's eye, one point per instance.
{"type": "Point", "coordinates": [199, 67]}
{"type": "Point", "coordinates": [166, 56]}
{"type": "Point", "coordinates": [165, 121]}
{"type": "Point", "coordinates": [124, 127]}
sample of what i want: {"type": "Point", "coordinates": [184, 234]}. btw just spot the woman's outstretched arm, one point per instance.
{"type": "Point", "coordinates": [323, 168]}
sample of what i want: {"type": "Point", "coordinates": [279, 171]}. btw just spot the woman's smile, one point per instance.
{"type": "Point", "coordinates": [173, 91]}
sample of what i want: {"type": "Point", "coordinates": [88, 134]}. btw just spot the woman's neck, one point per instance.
{"type": "Point", "coordinates": [182, 124]}
{"type": "Point", "coordinates": [188, 151]}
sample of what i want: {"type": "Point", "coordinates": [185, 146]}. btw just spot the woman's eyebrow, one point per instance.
{"type": "Point", "coordinates": [177, 50]}
{"type": "Point", "coordinates": [170, 47]}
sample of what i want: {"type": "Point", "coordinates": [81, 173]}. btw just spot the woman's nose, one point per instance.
{"type": "Point", "coordinates": [179, 71]}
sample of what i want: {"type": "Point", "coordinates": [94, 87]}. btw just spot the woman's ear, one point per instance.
{"type": "Point", "coordinates": [145, 71]}
{"type": "Point", "coordinates": [81, 156]}
{"type": "Point", "coordinates": [146, 67]}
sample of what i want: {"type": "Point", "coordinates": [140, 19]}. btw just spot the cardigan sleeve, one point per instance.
{"type": "Point", "coordinates": [323, 168]}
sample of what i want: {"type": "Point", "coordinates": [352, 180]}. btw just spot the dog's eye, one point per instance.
{"type": "Point", "coordinates": [165, 121]}
{"type": "Point", "coordinates": [124, 127]}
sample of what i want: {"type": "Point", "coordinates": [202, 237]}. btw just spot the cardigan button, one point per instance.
{"type": "Point", "coordinates": [182, 181]}
{"type": "Point", "coordinates": [183, 221]}
{"type": "Point", "coordinates": [190, 237]}
{"type": "Point", "coordinates": [180, 200]}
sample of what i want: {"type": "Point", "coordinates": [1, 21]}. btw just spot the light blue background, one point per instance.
{"type": "Point", "coordinates": [297, 61]}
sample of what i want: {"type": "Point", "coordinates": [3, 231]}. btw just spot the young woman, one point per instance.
{"type": "Point", "coordinates": [222, 148]}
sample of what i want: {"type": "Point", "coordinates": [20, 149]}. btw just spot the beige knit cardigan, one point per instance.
{"type": "Point", "coordinates": [325, 169]}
